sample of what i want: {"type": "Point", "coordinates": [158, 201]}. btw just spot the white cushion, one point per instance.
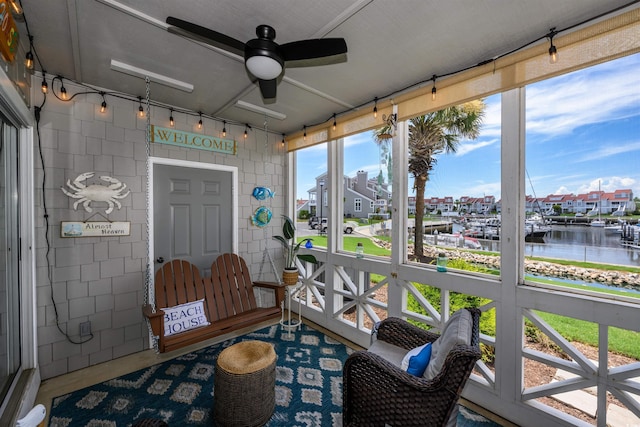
{"type": "Point", "coordinates": [389, 352]}
{"type": "Point", "coordinates": [184, 317]}
{"type": "Point", "coordinates": [456, 331]}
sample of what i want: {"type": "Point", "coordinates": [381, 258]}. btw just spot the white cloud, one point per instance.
{"type": "Point", "coordinates": [467, 146]}
{"type": "Point", "coordinates": [492, 122]}
{"type": "Point", "coordinates": [594, 95]}
{"type": "Point", "coordinates": [609, 184]}
{"type": "Point", "coordinates": [358, 139]}
{"type": "Point", "coordinates": [484, 188]}
{"type": "Point", "coordinates": [610, 149]}
{"type": "Point", "coordinates": [562, 190]}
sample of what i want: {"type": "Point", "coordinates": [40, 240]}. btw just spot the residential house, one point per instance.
{"type": "Point", "coordinates": [363, 196]}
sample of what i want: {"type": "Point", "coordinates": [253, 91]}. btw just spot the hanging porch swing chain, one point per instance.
{"type": "Point", "coordinates": [266, 252]}
{"type": "Point", "coordinates": [148, 298]}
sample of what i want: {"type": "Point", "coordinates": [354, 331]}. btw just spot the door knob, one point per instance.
{"type": "Point", "coordinates": [159, 260]}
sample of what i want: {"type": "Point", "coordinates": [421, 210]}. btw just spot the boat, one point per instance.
{"type": "Point", "coordinates": [598, 222]}
{"type": "Point", "coordinates": [630, 236]}
{"type": "Point", "coordinates": [536, 228]}
{"type": "Point", "coordinates": [614, 228]}
{"type": "Point", "coordinates": [455, 240]}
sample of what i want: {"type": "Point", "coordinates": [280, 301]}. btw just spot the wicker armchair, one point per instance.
{"type": "Point", "coordinates": [377, 392]}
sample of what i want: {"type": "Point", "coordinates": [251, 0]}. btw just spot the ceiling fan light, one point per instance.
{"type": "Point", "coordinates": [263, 67]}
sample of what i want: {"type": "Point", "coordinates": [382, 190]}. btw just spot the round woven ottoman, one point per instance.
{"type": "Point", "coordinates": [244, 385]}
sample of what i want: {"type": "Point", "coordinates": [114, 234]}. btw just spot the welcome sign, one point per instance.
{"type": "Point", "coordinates": [192, 140]}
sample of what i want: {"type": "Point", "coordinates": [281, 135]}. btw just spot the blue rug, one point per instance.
{"type": "Point", "coordinates": [180, 391]}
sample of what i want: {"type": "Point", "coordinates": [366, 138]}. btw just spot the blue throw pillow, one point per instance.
{"type": "Point", "coordinates": [416, 361]}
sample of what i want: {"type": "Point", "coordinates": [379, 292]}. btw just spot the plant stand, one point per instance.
{"type": "Point", "coordinates": [285, 319]}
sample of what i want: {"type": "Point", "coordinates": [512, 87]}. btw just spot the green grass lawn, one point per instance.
{"type": "Point", "coordinates": [350, 243]}
{"type": "Point", "coordinates": [621, 341]}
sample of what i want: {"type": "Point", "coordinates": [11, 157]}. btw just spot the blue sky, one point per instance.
{"type": "Point", "coordinates": [583, 130]}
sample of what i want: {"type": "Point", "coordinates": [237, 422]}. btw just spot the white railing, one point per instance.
{"type": "Point", "coordinates": [340, 297]}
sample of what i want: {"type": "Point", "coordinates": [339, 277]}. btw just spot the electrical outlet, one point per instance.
{"type": "Point", "coordinates": [85, 329]}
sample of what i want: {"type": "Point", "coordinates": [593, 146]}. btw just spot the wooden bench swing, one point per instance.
{"type": "Point", "coordinates": [229, 300]}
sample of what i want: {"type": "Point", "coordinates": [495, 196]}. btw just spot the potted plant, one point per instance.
{"type": "Point", "coordinates": [291, 248]}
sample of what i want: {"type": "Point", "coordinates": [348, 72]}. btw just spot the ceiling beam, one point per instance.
{"type": "Point", "coordinates": [341, 18]}
{"type": "Point", "coordinates": [72, 12]}
{"type": "Point", "coordinates": [163, 25]}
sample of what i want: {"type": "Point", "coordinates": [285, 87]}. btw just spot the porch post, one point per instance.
{"type": "Point", "coordinates": [397, 294]}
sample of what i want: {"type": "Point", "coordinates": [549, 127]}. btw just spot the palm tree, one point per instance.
{"type": "Point", "coordinates": [432, 134]}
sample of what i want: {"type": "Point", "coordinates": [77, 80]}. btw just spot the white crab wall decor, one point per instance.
{"type": "Point", "coordinates": [96, 192]}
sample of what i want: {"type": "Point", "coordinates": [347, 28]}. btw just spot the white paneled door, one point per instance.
{"type": "Point", "coordinates": [193, 214]}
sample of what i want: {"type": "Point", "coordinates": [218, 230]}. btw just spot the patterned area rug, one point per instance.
{"type": "Point", "coordinates": [180, 391]}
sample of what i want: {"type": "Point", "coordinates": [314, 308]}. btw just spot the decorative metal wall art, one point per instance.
{"type": "Point", "coordinates": [96, 192]}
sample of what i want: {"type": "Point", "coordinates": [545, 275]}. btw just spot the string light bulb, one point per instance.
{"type": "Point", "coordinates": [200, 121]}
{"type": "Point", "coordinates": [171, 122]}
{"type": "Point", "coordinates": [45, 86]}
{"type": "Point", "coordinates": [334, 122]}
{"type": "Point", "coordinates": [433, 89]}
{"type": "Point", "coordinates": [375, 108]}
{"type": "Point", "coordinates": [553, 51]}
{"type": "Point", "coordinates": [28, 60]}
{"type": "Point", "coordinates": [224, 128]}
{"type": "Point", "coordinates": [63, 91]}
{"type": "Point", "coordinates": [140, 108]}
{"type": "Point", "coordinates": [15, 7]}
{"type": "Point", "coordinates": [282, 140]}
{"type": "Point", "coordinates": [304, 135]}
{"type": "Point", "coordinates": [246, 134]}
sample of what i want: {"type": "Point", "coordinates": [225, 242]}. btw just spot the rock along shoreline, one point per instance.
{"type": "Point", "coordinates": [617, 279]}
{"type": "Point", "coordinates": [620, 279]}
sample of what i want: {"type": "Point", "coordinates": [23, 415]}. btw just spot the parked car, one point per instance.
{"type": "Point", "coordinates": [347, 227]}
{"type": "Point", "coordinates": [313, 222]}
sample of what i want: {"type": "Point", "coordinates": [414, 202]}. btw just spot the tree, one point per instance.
{"type": "Point", "coordinates": [430, 135]}
{"type": "Point", "coordinates": [433, 134]}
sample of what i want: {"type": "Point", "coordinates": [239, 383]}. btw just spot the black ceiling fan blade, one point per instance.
{"type": "Point", "coordinates": [268, 88]}
{"type": "Point", "coordinates": [313, 48]}
{"type": "Point", "coordinates": [214, 38]}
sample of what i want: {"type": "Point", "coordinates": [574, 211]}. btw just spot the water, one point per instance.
{"type": "Point", "coordinates": [590, 285]}
{"type": "Point", "coordinates": [579, 243]}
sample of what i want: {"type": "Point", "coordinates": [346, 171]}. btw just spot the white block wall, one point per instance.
{"type": "Point", "coordinates": [101, 279]}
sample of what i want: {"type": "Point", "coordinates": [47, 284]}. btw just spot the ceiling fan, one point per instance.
{"type": "Point", "coordinates": [264, 58]}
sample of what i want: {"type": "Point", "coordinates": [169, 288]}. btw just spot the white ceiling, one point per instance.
{"type": "Point", "coordinates": [391, 45]}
